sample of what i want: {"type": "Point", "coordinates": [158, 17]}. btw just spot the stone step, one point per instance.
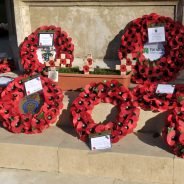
{"type": "Point", "coordinates": [14, 176]}
{"type": "Point", "coordinates": [139, 157]}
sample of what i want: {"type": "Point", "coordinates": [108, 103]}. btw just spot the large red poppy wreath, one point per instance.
{"type": "Point", "coordinates": [147, 98]}
{"type": "Point", "coordinates": [107, 92]}
{"type": "Point", "coordinates": [20, 122]}
{"type": "Point", "coordinates": [28, 49]}
{"type": "Point", "coordinates": [132, 46]}
{"type": "Point", "coordinates": [173, 131]}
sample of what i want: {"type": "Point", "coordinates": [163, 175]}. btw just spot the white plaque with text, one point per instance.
{"type": "Point", "coordinates": [165, 88]}
{"type": "Point", "coordinates": [156, 34]}
{"type": "Point", "coordinates": [46, 39]}
{"type": "Point", "coordinates": [33, 86]}
{"type": "Point", "coordinates": [102, 142]}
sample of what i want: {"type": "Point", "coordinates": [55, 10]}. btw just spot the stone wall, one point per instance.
{"type": "Point", "coordinates": [95, 26]}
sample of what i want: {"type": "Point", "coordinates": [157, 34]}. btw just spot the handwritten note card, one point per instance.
{"type": "Point", "coordinates": [165, 88]}
{"type": "Point", "coordinates": [102, 142]}
{"type": "Point", "coordinates": [156, 34]}
{"type": "Point", "coordinates": [33, 86]}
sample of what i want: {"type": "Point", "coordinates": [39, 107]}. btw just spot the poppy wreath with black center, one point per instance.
{"type": "Point", "coordinates": [173, 131]}
{"type": "Point", "coordinates": [132, 46]}
{"type": "Point", "coordinates": [147, 98]}
{"type": "Point", "coordinates": [104, 92]}
{"type": "Point", "coordinates": [4, 66]}
{"type": "Point", "coordinates": [28, 48]}
{"type": "Point", "coordinates": [14, 120]}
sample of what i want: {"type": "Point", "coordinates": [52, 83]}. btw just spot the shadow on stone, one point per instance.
{"type": "Point", "coordinates": [65, 120]}
{"type": "Point", "coordinates": [154, 127]}
{"type": "Point", "coordinates": [155, 124]}
{"type": "Point", "coordinates": [111, 117]}
{"type": "Point", "coordinates": [112, 49]}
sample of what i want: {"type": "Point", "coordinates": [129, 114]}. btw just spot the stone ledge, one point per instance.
{"type": "Point", "coordinates": [83, 2]}
{"type": "Point", "coordinates": [136, 158]}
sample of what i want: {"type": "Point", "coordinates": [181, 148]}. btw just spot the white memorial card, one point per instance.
{"type": "Point", "coordinates": [33, 86]}
{"type": "Point", "coordinates": [46, 39]}
{"type": "Point", "coordinates": [102, 142]}
{"type": "Point", "coordinates": [165, 88]}
{"type": "Point", "coordinates": [156, 34]}
{"type": "Point", "coordinates": [153, 51]}
{"type": "Point", "coordinates": [4, 81]}
{"type": "Point", "coordinates": [53, 74]}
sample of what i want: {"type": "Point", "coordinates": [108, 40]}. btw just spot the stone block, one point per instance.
{"type": "Point", "coordinates": [178, 170]}
{"type": "Point", "coordinates": [130, 160]}
{"type": "Point", "coordinates": [31, 157]}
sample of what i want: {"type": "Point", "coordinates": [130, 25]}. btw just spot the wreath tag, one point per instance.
{"type": "Point", "coordinates": [165, 89]}
{"type": "Point", "coordinates": [100, 141]}
{"type": "Point", "coordinates": [156, 34]}
{"type": "Point", "coordinates": [32, 86]}
{"type": "Point", "coordinates": [46, 38]}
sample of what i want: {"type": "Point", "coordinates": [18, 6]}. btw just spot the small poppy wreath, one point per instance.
{"type": "Point", "coordinates": [132, 47]}
{"type": "Point", "coordinates": [106, 92]}
{"type": "Point", "coordinates": [147, 98]}
{"type": "Point", "coordinates": [173, 132]}
{"type": "Point", "coordinates": [28, 49]}
{"type": "Point", "coordinates": [16, 121]}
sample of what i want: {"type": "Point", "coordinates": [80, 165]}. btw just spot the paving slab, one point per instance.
{"type": "Point", "coordinates": [138, 157]}
{"type": "Point", "coordinates": [14, 176]}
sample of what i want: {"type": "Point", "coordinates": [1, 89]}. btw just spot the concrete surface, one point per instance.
{"type": "Point", "coordinates": [12, 176]}
{"type": "Point", "coordinates": [138, 157]}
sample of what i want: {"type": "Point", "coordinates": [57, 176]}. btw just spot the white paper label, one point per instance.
{"type": "Point", "coordinates": [33, 86]}
{"type": "Point", "coordinates": [53, 74]}
{"type": "Point", "coordinates": [46, 39]}
{"type": "Point", "coordinates": [153, 51]}
{"type": "Point", "coordinates": [156, 34]}
{"type": "Point", "coordinates": [102, 142]}
{"type": "Point", "coordinates": [165, 88]}
{"type": "Point", "coordinates": [4, 81]}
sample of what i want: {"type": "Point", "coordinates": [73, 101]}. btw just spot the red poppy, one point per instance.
{"type": "Point", "coordinates": [51, 63]}
{"type": "Point", "coordinates": [123, 68]}
{"type": "Point", "coordinates": [89, 61]}
{"type": "Point", "coordinates": [86, 69]}
{"type": "Point", "coordinates": [170, 138]}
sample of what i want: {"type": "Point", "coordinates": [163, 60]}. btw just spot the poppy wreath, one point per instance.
{"type": "Point", "coordinates": [28, 48]}
{"type": "Point", "coordinates": [18, 122]}
{"type": "Point", "coordinates": [147, 98]}
{"type": "Point", "coordinates": [135, 36]}
{"type": "Point", "coordinates": [106, 92]}
{"type": "Point", "coordinates": [173, 131]}
{"type": "Point", "coordinates": [4, 66]}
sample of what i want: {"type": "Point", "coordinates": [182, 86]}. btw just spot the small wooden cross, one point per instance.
{"type": "Point", "coordinates": [63, 56]}
{"type": "Point", "coordinates": [88, 60]}
{"type": "Point", "coordinates": [81, 68]}
{"type": "Point", "coordinates": [128, 68]}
